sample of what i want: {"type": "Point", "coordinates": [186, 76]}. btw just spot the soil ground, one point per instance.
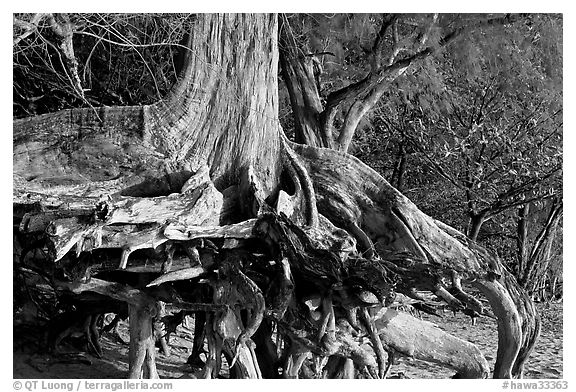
{"type": "Point", "coordinates": [31, 361]}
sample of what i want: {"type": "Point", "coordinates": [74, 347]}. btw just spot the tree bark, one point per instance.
{"type": "Point", "coordinates": [300, 74]}
{"type": "Point", "coordinates": [223, 112]}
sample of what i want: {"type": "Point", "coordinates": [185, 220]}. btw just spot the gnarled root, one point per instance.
{"type": "Point", "coordinates": [68, 323]}
{"type": "Point", "coordinates": [423, 340]}
{"type": "Point", "coordinates": [339, 367]}
{"type": "Point", "coordinates": [214, 355]}
{"type": "Point", "coordinates": [349, 191]}
{"type": "Point", "coordinates": [239, 291]}
{"type": "Point", "coordinates": [473, 306]}
{"type": "Point", "coordinates": [509, 326]}
{"type": "Point", "coordinates": [141, 362]}
{"type": "Point", "coordinates": [377, 346]}
{"type": "Point", "coordinates": [303, 203]}
{"type": "Point", "coordinates": [337, 203]}
{"type": "Point", "coordinates": [294, 360]}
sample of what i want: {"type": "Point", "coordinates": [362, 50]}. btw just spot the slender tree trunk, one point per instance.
{"type": "Point", "coordinates": [142, 343]}
{"type": "Point", "coordinates": [476, 222]}
{"type": "Point", "coordinates": [522, 241]}
{"type": "Point", "coordinates": [509, 327]}
{"type": "Point", "coordinates": [400, 168]}
{"type": "Point", "coordinates": [302, 82]}
{"type": "Point", "coordinates": [539, 261]}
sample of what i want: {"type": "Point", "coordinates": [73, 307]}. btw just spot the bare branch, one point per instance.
{"type": "Point", "coordinates": [28, 27]}
{"type": "Point", "coordinates": [439, 169]}
{"type": "Point", "coordinates": [503, 207]}
{"type": "Point", "coordinates": [423, 38]}
{"type": "Point", "coordinates": [64, 29]}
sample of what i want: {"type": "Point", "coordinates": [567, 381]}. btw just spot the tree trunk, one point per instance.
{"type": "Point", "coordinates": [400, 168]}
{"type": "Point", "coordinates": [142, 353]}
{"type": "Point", "coordinates": [536, 268]}
{"type": "Point", "coordinates": [223, 112]}
{"type": "Point", "coordinates": [509, 327]}
{"type": "Point", "coordinates": [266, 223]}
{"type": "Point", "coordinates": [300, 74]}
{"type": "Point", "coordinates": [522, 241]}
{"type": "Point", "coordinates": [476, 222]}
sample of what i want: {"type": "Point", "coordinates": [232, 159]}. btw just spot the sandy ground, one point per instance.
{"type": "Point", "coordinates": [544, 362]}
{"type": "Point", "coordinates": [30, 362]}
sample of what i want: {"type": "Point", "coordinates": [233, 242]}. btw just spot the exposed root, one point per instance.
{"type": "Point", "coordinates": [363, 239]}
{"type": "Point", "coordinates": [302, 182]}
{"type": "Point", "coordinates": [441, 292]}
{"type": "Point", "coordinates": [93, 336]}
{"type": "Point", "coordinates": [76, 322]}
{"type": "Point", "coordinates": [281, 291]}
{"type": "Point", "coordinates": [474, 306]}
{"type": "Point", "coordinates": [377, 346]}
{"type": "Point", "coordinates": [403, 250]}
{"type": "Point", "coordinates": [181, 274]}
{"type": "Point", "coordinates": [344, 345]}
{"type": "Point", "coordinates": [214, 355]}
{"type": "Point", "coordinates": [141, 361]}
{"type": "Point", "coordinates": [251, 293]}
{"type": "Point", "coordinates": [339, 368]}
{"type": "Point", "coordinates": [253, 297]}
{"type": "Point", "coordinates": [294, 360]}
{"type": "Point", "coordinates": [348, 188]}
{"type": "Point", "coordinates": [327, 323]}
{"type": "Point", "coordinates": [422, 340]}
{"type": "Point", "coordinates": [509, 326]}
